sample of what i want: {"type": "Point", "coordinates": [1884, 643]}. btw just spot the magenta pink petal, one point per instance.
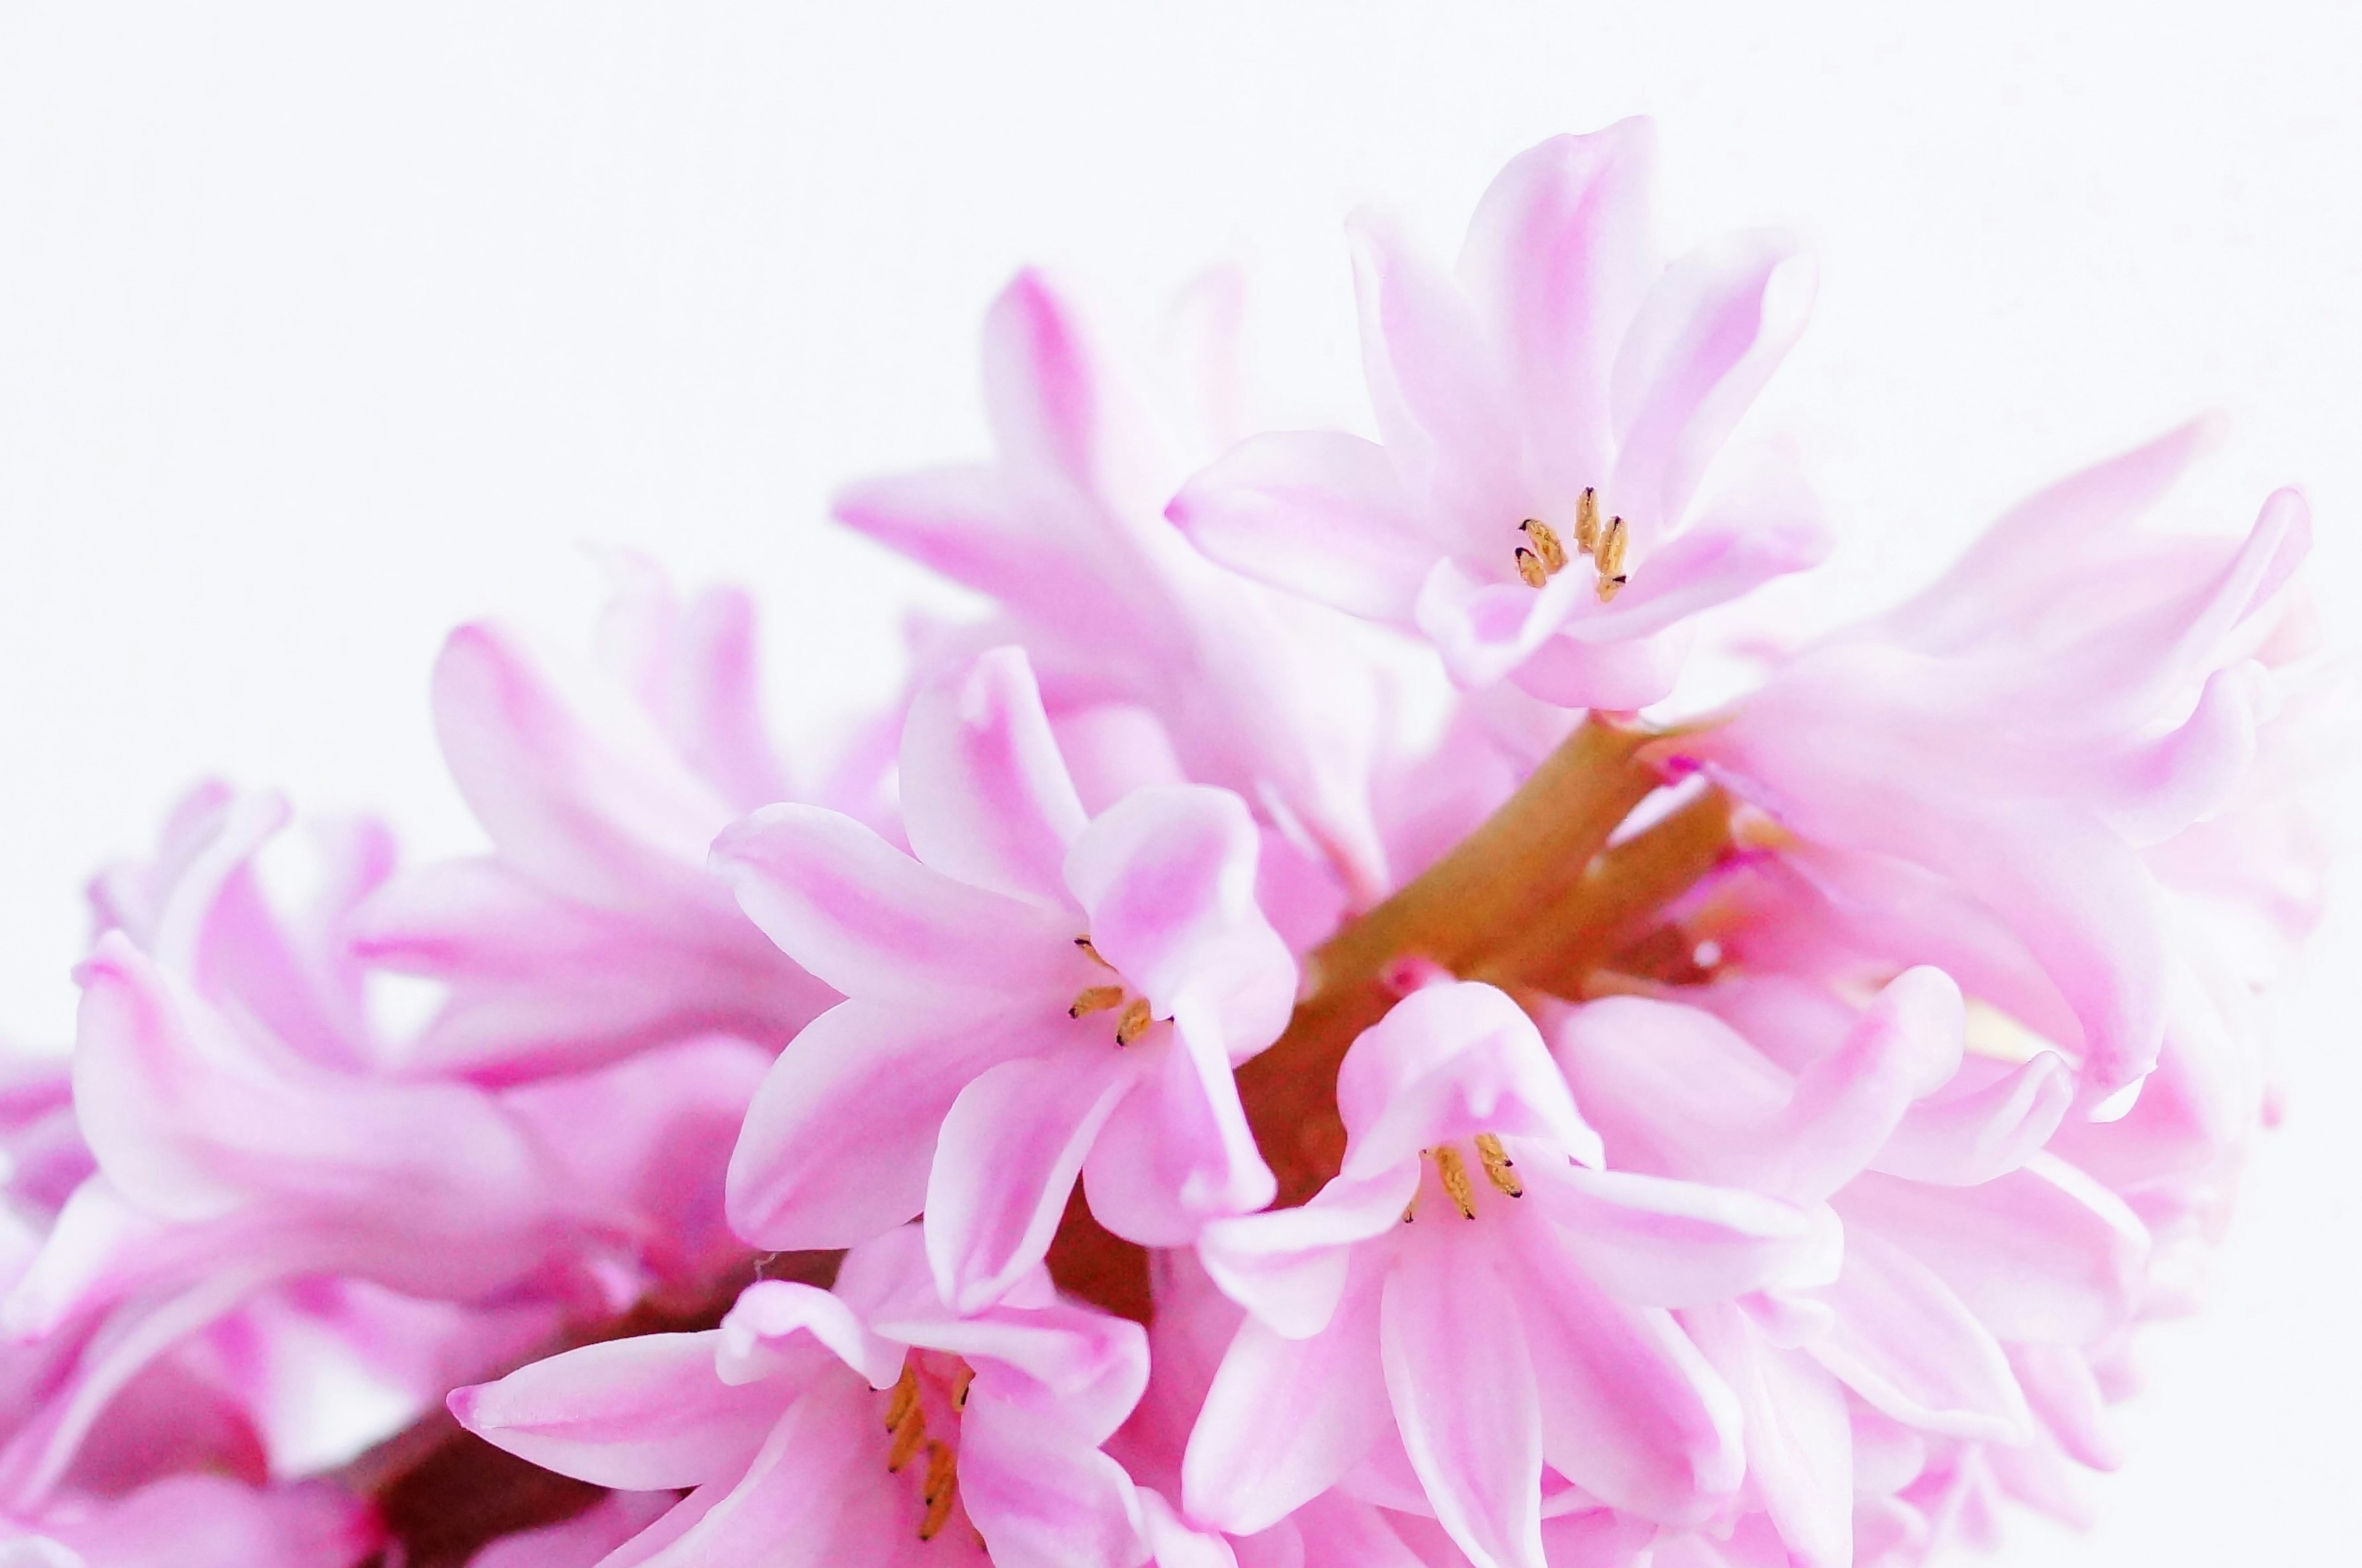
{"type": "Point", "coordinates": [985, 797]}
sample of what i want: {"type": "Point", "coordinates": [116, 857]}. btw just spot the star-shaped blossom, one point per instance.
{"type": "Point", "coordinates": [1032, 996]}
{"type": "Point", "coordinates": [868, 1425]}
{"type": "Point", "coordinates": [1472, 1318]}
{"type": "Point", "coordinates": [1546, 418]}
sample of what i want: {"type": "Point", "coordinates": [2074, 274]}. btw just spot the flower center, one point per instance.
{"type": "Point", "coordinates": [1452, 1175]}
{"type": "Point", "coordinates": [1132, 1022]}
{"type": "Point", "coordinates": [1544, 557]}
{"type": "Point", "coordinates": [930, 1378]}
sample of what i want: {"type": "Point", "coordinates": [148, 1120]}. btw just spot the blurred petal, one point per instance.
{"type": "Point", "coordinates": [1320, 514]}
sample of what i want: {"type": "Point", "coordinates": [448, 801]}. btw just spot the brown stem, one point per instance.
{"type": "Point", "coordinates": [1527, 857]}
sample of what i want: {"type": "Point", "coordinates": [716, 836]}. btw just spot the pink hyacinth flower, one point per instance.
{"type": "Point", "coordinates": [1974, 776]}
{"type": "Point", "coordinates": [870, 1425]}
{"type": "Point", "coordinates": [1066, 530]}
{"type": "Point", "coordinates": [198, 1522]}
{"type": "Point", "coordinates": [1563, 361]}
{"type": "Point", "coordinates": [1032, 996]}
{"type": "Point", "coordinates": [1473, 1318]}
{"type": "Point", "coordinates": [1979, 1270]}
{"type": "Point", "coordinates": [594, 929]}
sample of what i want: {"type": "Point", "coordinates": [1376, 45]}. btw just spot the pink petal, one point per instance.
{"type": "Point", "coordinates": [1464, 1396]}
{"type": "Point", "coordinates": [642, 1413]}
{"type": "Point", "coordinates": [985, 798]}
{"type": "Point", "coordinates": [1168, 879]}
{"type": "Point", "coordinates": [1722, 555]}
{"type": "Point", "coordinates": [1041, 1492]}
{"type": "Point", "coordinates": [1709, 335]}
{"type": "Point", "coordinates": [1906, 1045]}
{"type": "Point", "coordinates": [1630, 1411]}
{"type": "Point", "coordinates": [1289, 1266]}
{"type": "Point", "coordinates": [1676, 1244]}
{"type": "Point", "coordinates": [1287, 1418]}
{"type": "Point", "coordinates": [839, 1139]}
{"type": "Point", "coordinates": [1556, 258]}
{"type": "Point", "coordinates": [2058, 1383]}
{"type": "Point", "coordinates": [958, 521]}
{"type": "Point", "coordinates": [1318, 513]}
{"type": "Point", "coordinates": [1799, 1439]}
{"type": "Point", "coordinates": [2043, 1254]}
{"type": "Point", "coordinates": [1006, 1163]}
{"type": "Point", "coordinates": [696, 670]}
{"type": "Point", "coordinates": [872, 922]}
{"type": "Point", "coordinates": [773, 1311]}
{"type": "Point", "coordinates": [816, 1496]}
{"type": "Point", "coordinates": [1044, 400]}
{"type": "Point", "coordinates": [1970, 1139]}
{"type": "Point", "coordinates": [1176, 1151]}
{"type": "Point", "coordinates": [1441, 405]}
{"type": "Point", "coordinates": [579, 791]}
{"type": "Point", "coordinates": [1903, 1341]}
{"type": "Point", "coordinates": [1447, 1063]}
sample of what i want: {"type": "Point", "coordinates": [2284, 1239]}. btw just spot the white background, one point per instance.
{"type": "Point", "coordinates": [323, 328]}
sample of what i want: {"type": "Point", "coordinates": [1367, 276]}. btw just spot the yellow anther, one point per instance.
{"type": "Point", "coordinates": [1134, 1021]}
{"type": "Point", "coordinates": [1587, 520]}
{"type": "Point", "coordinates": [907, 1435]}
{"type": "Point", "coordinates": [1092, 952]}
{"type": "Point", "coordinates": [1546, 544]}
{"type": "Point", "coordinates": [960, 1380]}
{"type": "Point", "coordinates": [1612, 545]}
{"type": "Point", "coordinates": [1497, 1164]}
{"type": "Point", "coordinates": [1530, 568]}
{"type": "Point", "coordinates": [905, 1399]}
{"type": "Point", "coordinates": [942, 1486]}
{"type": "Point", "coordinates": [1095, 998]}
{"type": "Point", "coordinates": [1456, 1185]}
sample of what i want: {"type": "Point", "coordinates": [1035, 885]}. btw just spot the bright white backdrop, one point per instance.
{"type": "Point", "coordinates": [322, 329]}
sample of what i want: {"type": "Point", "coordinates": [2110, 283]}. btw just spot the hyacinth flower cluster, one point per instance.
{"type": "Point", "coordinates": [1297, 1043]}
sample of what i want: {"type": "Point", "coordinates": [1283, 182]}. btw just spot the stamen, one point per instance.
{"type": "Point", "coordinates": [960, 1380]}
{"type": "Point", "coordinates": [906, 1398]}
{"type": "Point", "coordinates": [1546, 544]}
{"type": "Point", "coordinates": [1095, 998]}
{"type": "Point", "coordinates": [1497, 1164]}
{"type": "Point", "coordinates": [1587, 520]}
{"type": "Point", "coordinates": [1530, 568]}
{"type": "Point", "coordinates": [1410, 1210]}
{"type": "Point", "coordinates": [1612, 545]}
{"type": "Point", "coordinates": [1092, 952]}
{"type": "Point", "coordinates": [1456, 1185]}
{"type": "Point", "coordinates": [1134, 1023]}
{"type": "Point", "coordinates": [942, 1485]}
{"type": "Point", "coordinates": [908, 1436]}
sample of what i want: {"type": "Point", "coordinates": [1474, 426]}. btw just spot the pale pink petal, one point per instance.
{"type": "Point", "coordinates": [1465, 1401]}
{"type": "Point", "coordinates": [205, 1521]}
{"type": "Point", "coordinates": [1799, 1441]}
{"type": "Point", "coordinates": [1662, 1243]}
{"type": "Point", "coordinates": [640, 1413]}
{"type": "Point", "coordinates": [1602, 1538]}
{"type": "Point", "coordinates": [1041, 393]}
{"type": "Point", "coordinates": [771, 1310]}
{"type": "Point", "coordinates": [578, 789]}
{"type": "Point", "coordinates": [985, 797]}
{"type": "Point", "coordinates": [1447, 1063]}
{"type": "Point", "coordinates": [1171, 1543]}
{"type": "Point", "coordinates": [2042, 1254]}
{"type": "Point", "coordinates": [1906, 1045]}
{"type": "Point", "coordinates": [1556, 258]}
{"type": "Point", "coordinates": [958, 521]}
{"type": "Point", "coordinates": [1168, 879]}
{"type": "Point", "coordinates": [872, 922]}
{"type": "Point", "coordinates": [1972, 1138]}
{"type": "Point", "coordinates": [2059, 1384]}
{"type": "Point", "coordinates": [1011, 1149]}
{"type": "Point", "coordinates": [1723, 555]}
{"type": "Point", "coordinates": [839, 1139]}
{"type": "Point", "coordinates": [586, 1540]}
{"type": "Point", "coordinates": [1440, 398]}
{"type": "Point", "coordinates": [696, 669]}
{"type": "Point", "coordinates": [1632, 1412]}
{"type": "Point", "coordinates": [1042, 1492]}
{"type": "Point", "coordinates": [1614, 677]}
{"type": "Point", "coordinates": [1711, 332]}
{"type": "Point", "coordinates": [816, 1496]}
{"type": "Point", "coordinates": [1903, 1341]}
{"type": "Point", "coordinates": [1177, 1152]}
{"type": "Point", "coordinates": [1287, 1418]}
{"type": "Point", "coordinates": [1289, 1266]}
{"type": "Point", "coordinates": [1317, 512]}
